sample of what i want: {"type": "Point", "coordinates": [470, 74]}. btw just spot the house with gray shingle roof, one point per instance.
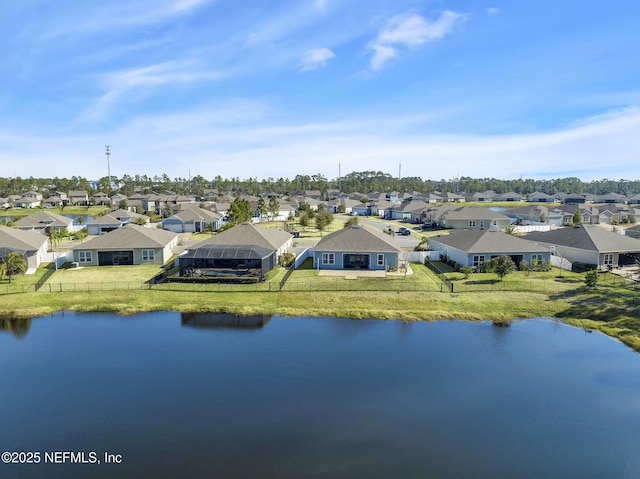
{"type": "Point", "coordinates": [129, 245]}
{"type": "Point", "coordinates": [474, 247]}
{"type": "Point", "coordinates": [45, 222]}
{"type": "Point", "coordinates": [249, 234]}
{"type": "Point", "coordinates": [540, 197]}
{"type": "Point", "coordinates": [589, 244]}
{"type": "Point", "coordinates": [356, 247]}
{"type": "Point", "coordinates": [473, 217]}
{"type": "Point", "coordinates": [192, 219]}
{"type": "Point", "coordinates": [30, 245]}
{"type": "Point", "coordinates": [112, 221]}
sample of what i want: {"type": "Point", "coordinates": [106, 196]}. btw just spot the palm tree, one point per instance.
{"type": "Point", "coordinates": [13, 264]}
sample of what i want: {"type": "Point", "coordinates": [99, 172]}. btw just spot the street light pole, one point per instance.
{"type": "Point", "coordinates": [109, 167]}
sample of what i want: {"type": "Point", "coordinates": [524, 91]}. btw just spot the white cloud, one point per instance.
{"type": "Point", "coordinates": [493, 11]}
{"type": "Point", "coordinates": [409, 30]}
{"type": "Point", "coordinates": [316, 58]}
{"type": "Point", "coordinates": [242, 139]}
{"type": "Point", "coordinates": [120, 83]}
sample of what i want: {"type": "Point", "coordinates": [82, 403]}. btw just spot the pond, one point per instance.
{"type": "Point", "coordinates": [166, 395]}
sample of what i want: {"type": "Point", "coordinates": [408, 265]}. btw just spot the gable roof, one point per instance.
{"type": "Point", "coordinates": [488, 241]}
{"type": "Point", "coordinates": [587, 237]}
{"type": "Point", "coordinates": [474, 213]}
{"type": "Point", "coordinates": [130, 236]}
{"type": "Point", "coordinates": [250, 234]}
{"type": "Point", "coordinates": [42, 219]}
{"type": "Point", "coordinates": [357, 239]}
{"type": "Point", "coordinates": [16, 239]}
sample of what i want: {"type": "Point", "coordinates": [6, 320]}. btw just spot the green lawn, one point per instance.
{"type": "Point", "coordinates": [67, 210]}
{"type": "Point", "coordinates": [105, 274]}
{"type": "Point", "coordinates": [21, 281]}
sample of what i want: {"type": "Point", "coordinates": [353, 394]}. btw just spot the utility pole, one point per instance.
{"type": "Point", "coordinates": [108, 152]}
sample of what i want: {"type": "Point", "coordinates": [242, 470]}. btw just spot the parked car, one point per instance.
{"type": "Point", "coordinates": [404, 231]}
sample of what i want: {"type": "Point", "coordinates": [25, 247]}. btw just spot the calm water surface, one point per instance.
{"type": "Point", "coordinates": [217, 396]}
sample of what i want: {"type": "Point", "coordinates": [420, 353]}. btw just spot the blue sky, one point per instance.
{"type": "Point", "coordinates": [252, 88]}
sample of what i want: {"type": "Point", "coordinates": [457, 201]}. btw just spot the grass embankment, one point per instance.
{"type": "Point", "coordinates": [611, 308]}
{"type": "Point", "coordinates": [94, 211]}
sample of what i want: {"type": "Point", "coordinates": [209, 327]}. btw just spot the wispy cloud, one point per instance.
{"type": "Point", "coordinates": [118, 84]}
{"type": "Point", "coordinates": [316, 58]}
{"type": "Point", "coordinates": [212, 141]}
{"type": "Point", "coordinates": [493, 11]}
{"type": "Point", "coordinates": [409, 31]}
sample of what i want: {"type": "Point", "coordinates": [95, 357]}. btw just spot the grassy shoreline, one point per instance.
{"type": "Point", "coordinates": [619, 321]}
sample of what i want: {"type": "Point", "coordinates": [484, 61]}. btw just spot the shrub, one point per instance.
{"type": "Point", "coordinates": [286, 259]}
{"type": "Point", "coordinates": [591, 278]}
{"type": "Point", "coordinates": [466, 271]}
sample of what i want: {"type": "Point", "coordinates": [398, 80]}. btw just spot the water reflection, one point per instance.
{"type": "Point", "coordinates": [18, 326]}
{"type": "Point", "coordinates": [224, 320]}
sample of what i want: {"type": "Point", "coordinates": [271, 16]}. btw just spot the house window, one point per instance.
{"type": "Point", "coordinates": [536, 259]}
{"type": "Point", "coordinates": [85, 257]}
{"type": "Point", "coordinates": [380, 260]}
{"type": "Point", "coordinates": [608, 258]}
{"type": "Point", "coordinates": [481, 223]}
{"type": "Point", "coordinates": [148, 255]}
{"type": "Point", "coordinates": [478, 260]}
{"type": "Point", "coordinates": [472, 223]}
{"type": "Point", "coordinates": [328, 258]}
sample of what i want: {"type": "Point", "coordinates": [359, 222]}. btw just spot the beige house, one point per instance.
{"type": "Point", "coordinates": [474, 217]}
{"type": "Point", "coordinates": [128, 245]}
{"type": "Point", "coordinates": [31, 245]}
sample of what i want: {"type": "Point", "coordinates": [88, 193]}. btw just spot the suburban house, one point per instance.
{"type": "Point", "coordinates": [45, 222]}
{"type": "Point", "coordinates": [539, 197]}
{"type": "Point", "coordinates": [249, 234]}
{"type": "Point", "coordinates": [573, 198]}
{"type": "Point", "coordinates": [611, 198]}
{"type": "Point", "coordinates": [101, 199]}
{"type": "Point", "coordinates": [634, 200]}
{"type": "Point", "coordinates": [356, 247]}
{"type": "Point", "coordinates": [474, 247]}
{"type": "Point", "coordinates": [114, 220]}
{"type": "Point", "coordinates": [129, 245]}
{"type": "Point", "coordinates": [509, 196]}
{"type": "Point", "coordinates": [341, 204]}
{"type": "Point", "coordinates": [473, 217]}
{"type": "Point", "coordinates": [527, 215]}
{"type": "Point", "coordinates": [5, 203]}
{"type": "Point", "coordinates": [589, 244]}
{"type": "Point", "coordinates": [78, 197]}
{"type": "Point", "coordinates": [481, 197]}
{"type": "Point", "coordinates": [452, 198]}
{"type": "Point", "coordinates": [192, 220]}
{"type": "Point", "coordinates": [31, 199]}
{"type": "Point", "coordinates": [30, 245]}
{"type": "Point", "coordinates": [53, 201]}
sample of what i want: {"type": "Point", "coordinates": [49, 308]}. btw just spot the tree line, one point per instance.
{"type": "Point", "coordinates": [361, 182]}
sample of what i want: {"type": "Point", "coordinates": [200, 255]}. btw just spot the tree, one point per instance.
{"type": "Point", "coordinates": [323, 219]}
{"type": "Point", "coordinates": [13, 264]}
{"type": "Point", "coordinates": [262, 208]}
{"type": "Point", "coordinates": [122, 204]}
{"type": "Point", "coordinates": [353, 221]}
{"type": "Point", "coordinates": [502, 266]}
{"type": "Point", "coordinates": [577, 217]}
{"type": "Point", "coordinates": [591, 278]}
{"type": "Point", "coordinates": [274, 207]}
{"type": "Point", "coordinates": [466, 271]}
{"type": "Point", "coordinates": [239, 211]}
{"type": "Point", "coordinates": [303, 220]}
